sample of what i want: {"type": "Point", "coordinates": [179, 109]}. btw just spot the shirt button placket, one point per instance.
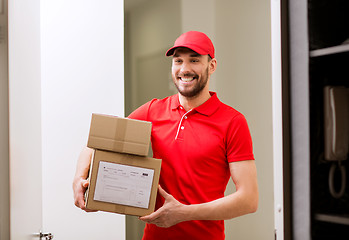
{"type": "Point", "coordinates": [181, 126]}
{"type": "Point", "coordinates": [184, 118]}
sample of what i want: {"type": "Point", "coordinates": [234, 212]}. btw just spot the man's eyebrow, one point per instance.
{"type": "Point", "coordinates": [195, 55]}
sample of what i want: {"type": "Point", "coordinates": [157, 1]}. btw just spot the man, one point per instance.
{"type": "Point", "coordinates": [202, 143]}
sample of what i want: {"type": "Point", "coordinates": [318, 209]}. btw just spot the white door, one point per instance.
{"type": "Point", "coordinates": [65, 62]}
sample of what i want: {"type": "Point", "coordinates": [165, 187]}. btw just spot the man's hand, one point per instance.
{"type": "Point", "coordinates": [80, 183]}
{"type": "Point", "coordinates": [171, 213]}
{"type": "Point", "coordinates": [79, 188]}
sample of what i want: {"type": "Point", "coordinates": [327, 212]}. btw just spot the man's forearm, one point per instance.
{"type": "Point", "coordinates": [83, 164]}
{"type": "Point", "coordinates": [241, 202]}
{"type": "Point", "coordinates": [228, 207]}
{"type": "Point", "coordinates": [231, 206]}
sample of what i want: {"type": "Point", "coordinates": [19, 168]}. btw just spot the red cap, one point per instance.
{"type": "Point", "coordinates": [196, 41]}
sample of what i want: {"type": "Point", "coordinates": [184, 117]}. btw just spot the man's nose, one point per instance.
{"type": "Point", "coordinates": [185, 67]}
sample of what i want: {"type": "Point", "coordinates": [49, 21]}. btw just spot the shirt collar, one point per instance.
{"type": "Point", "coordinates": [207, 108]}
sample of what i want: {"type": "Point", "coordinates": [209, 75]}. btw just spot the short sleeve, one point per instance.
{"type": "Point", "coordinates": [142, 112]}
{"type": "Point", "coordinates": [239, 141]}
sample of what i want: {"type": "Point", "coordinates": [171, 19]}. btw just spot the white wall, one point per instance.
{"type": "Point", "coordinates": [243, 45]}
{"type": "Point", "coordinates": [66, 62]}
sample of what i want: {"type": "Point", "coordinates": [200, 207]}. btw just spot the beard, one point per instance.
{"type": "Point", "coordinates": [197, 88]}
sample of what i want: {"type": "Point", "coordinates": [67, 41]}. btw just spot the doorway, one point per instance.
{"type": "Point", "coordinates": [240, 31]}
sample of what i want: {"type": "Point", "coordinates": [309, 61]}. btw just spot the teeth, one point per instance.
{"type": "Point", "coordinates": [187, 79]}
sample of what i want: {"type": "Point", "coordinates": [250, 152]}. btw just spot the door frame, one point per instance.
{"type": "Point", "coordinates": [4, 120]}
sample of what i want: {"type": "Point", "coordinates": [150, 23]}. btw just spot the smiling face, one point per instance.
{"type": "Point", "coordinates": [191, 72]}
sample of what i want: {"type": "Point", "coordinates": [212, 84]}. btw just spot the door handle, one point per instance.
{"type": "Point", "coordinates": [45, 236]}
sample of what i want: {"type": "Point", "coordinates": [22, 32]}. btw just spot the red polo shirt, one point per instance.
{"type": "Point", "coordinates": [196, 148]}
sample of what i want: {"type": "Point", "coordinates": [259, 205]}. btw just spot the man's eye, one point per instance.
{"type": "Point", "coordinates": [195, 60]}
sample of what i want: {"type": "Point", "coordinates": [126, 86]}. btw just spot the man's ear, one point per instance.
{"type": "Point", "coordinates": [212, 65]}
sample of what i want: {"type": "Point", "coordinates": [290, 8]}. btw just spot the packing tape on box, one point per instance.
{"type": "Point", "coordinates": [120, 130]}
{"type": "Point", "coordinates": [119, 135]}
{"type": "Point", "coordinates": [119, 208]}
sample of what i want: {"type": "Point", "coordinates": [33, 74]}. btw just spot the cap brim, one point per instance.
{"type": "Point", "coordinates": [196, 49]}
{"type": "Point", "coordinates": [170, 51]}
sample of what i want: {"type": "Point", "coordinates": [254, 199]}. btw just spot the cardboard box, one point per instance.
{"type": "Point", "coordinates": [123, 183]}
{"type": "Point", "coordinates": [119, 134]}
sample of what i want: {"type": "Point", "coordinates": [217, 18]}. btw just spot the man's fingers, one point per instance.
{"type": "Point", "coordinates": [84, 183]}
{"type": "Point", "coordinates": [81, 204]}
{"type": "Point", "coordinates": [163, 193]}
{"type": "Point", "coordinates": [151, 217]}
{"type": "Point", "coordinates": [148, 218]}
{"type": "Point", "coordinates": [79, 191]}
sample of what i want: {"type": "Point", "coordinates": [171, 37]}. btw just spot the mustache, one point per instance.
{"type": "Point", "coordinates": [187, 75]}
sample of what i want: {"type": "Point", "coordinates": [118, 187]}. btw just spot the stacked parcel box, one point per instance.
{"type": "Point", "coordinates": [122, 178]}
